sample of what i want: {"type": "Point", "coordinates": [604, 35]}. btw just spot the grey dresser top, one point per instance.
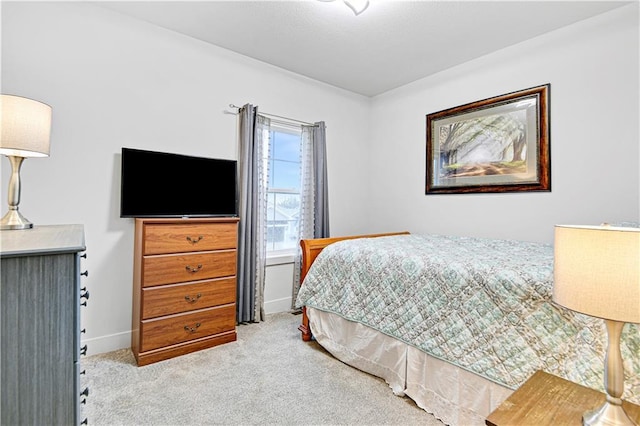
{"type": "Point", "coordinates": [48, 239]}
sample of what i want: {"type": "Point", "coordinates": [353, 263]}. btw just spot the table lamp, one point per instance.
{"type": "Point", "coordinates": [597, 272]}
{"type": "Point", "coordinates": [26, 126]}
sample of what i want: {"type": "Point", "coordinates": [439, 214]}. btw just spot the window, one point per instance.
{"type": "Point", "coordinates": [283, 189]}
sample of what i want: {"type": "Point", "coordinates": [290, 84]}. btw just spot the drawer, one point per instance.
{"type": "Point", "coordinates": [182, 238]}
{"type": "Point", "coordinates": [165, 331]}
{"type": "Point", "coordinates": [176, 298]}
{"type": "Point", "coordinates": [178, 268]}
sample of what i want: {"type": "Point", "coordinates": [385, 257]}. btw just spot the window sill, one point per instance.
{"type": "Point", "coordinates": [280, 258]}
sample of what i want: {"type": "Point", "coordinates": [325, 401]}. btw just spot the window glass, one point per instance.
{"type": "Point", "coordinates": [283, 207]}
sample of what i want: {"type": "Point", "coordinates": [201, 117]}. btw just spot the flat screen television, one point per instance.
{"type": "Point", "coordinates": [161, 184]}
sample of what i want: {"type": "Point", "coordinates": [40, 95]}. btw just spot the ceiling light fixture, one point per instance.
{"type": "Point", "coordinates": [357, 6]}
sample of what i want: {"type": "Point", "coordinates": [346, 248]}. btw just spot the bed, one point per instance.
{"type": "Point", "coordinates": [454, 323]}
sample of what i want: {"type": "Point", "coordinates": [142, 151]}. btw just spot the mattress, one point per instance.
{"type": "Point", "coordinates": [482, 306]}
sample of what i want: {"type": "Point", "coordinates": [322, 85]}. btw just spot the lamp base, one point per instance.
{"type": "Point", "coordinates": [607, 415]}
{"type": "Point", "coordinates": [14, 220]}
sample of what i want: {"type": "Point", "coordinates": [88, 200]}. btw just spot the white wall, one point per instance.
{"type": "Point", "coordinates": [593, 70]}
{"type": "Point", "coordinates": [113, 81]}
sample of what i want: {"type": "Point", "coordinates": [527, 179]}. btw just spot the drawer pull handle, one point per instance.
{"type": "Point", "coordinates": [192, 329]}
{"type": "Point", "coordinates": [192, 299]}
{"type": "Point", "coordinates": [195, 240]}
{"type": "Point", "coordinates": [193, 270]}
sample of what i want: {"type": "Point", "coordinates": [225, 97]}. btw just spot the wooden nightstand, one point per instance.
{"type": "Point", "coordinates": [545, 399]}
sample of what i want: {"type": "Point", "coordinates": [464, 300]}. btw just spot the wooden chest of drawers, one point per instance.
{"type": "Point", "coordinates": [184, 292]}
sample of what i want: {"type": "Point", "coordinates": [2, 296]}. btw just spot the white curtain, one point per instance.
{"type": "Point", "coordinates": [253, 178]}
{"type": "Point", "coordinates": [314, 200]}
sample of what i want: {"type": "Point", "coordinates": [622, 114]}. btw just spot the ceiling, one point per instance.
{"type": "Point", "coordinates": [392, 43]}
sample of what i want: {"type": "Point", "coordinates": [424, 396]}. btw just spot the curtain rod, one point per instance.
{"type": "Point", "coordinates": [277, 116]}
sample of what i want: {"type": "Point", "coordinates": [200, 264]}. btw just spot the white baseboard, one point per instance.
{"type": "Point", "coordinates": [112, 342]}
{"type": "Point", "coordinates": [278, 305]}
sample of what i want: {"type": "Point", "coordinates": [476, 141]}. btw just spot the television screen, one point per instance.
{"type": "Point", "coordinates": [159, 184]}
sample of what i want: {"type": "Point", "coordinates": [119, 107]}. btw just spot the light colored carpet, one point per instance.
{"type": "Point", "coordinates": [268, 376]}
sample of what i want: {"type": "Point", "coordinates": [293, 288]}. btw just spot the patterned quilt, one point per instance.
{"type": "Point", "coordinates": [483, 305]}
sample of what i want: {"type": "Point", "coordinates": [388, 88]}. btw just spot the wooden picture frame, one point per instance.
{"type": "Point", "coordinates": [500, 144]}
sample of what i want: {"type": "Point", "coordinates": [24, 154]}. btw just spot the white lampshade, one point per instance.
{"type": "Point", "coordinates": [597, 271]}
{"type": "Point", "coordinates": [26, 127]}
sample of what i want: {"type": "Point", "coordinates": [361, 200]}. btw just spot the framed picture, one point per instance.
{"type": "Point", "coordinates": [499, 144]}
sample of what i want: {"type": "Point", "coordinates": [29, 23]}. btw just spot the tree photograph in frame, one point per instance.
{"type": "Point", "coordinates": [499, 144]}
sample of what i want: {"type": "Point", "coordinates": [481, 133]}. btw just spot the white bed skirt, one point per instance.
{"type": "Point", "coordinates": [451, 394]}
